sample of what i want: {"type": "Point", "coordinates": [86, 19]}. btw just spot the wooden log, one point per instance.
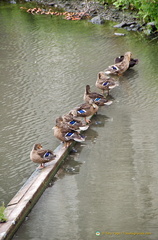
{"type": "Point", "coordinates": [22, 203]}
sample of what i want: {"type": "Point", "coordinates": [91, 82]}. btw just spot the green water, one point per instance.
{"type": "Point", "coordinates": [110, 184]}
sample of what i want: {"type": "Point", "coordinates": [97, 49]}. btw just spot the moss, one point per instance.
{"type": "Point", "coordinates": [2, 214]}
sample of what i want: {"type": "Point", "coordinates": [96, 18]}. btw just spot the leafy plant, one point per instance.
{"type": "Point", "coordinates": [147, 9]}
{"type": "Point", "coordinates": [124, 4]}
{"type": "Point", "coordinates": [2, 214]}
{"type": "Point", "coordinates": [108, 2]}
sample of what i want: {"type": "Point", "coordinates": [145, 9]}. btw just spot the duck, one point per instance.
{"type": "Point", "coordinates": [40, 155]}
{"type": "Point", "coordinates": [98, 99]}
{"type": "Point", "coordinates": [132, 62]}
{"type": "Point", "coordinates": [74, 123]}
{"type": "Point", "coordinates": [120, 67]}
{"type": "Point", "coordinates": [66, 135]}
{"type": "Point", "coordinates": [105, 83]}
{"type": "Point", "coordinates": [85, 110]}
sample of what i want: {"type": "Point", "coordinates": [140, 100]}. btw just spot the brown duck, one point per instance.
{"type": "Point", "coordinates": [66, 135]}
{"type": "Point", "coordinates": [40, 155]}
{"type": "Point", "coordinates": [97, 98]}
{"type": "Point", "coordinates": [132, 62]}
{"type": "Point", "coordinates": [85, 110]}
{"type": "Point", "coordinates": [74, 123]}
{"type": "Point", "coordinates": [105, 83]}
{"type": "Point", "coordinates": [120, 67]}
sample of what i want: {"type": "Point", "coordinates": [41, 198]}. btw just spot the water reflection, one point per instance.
{"type": "Point", "coordinates": [100, 119]}
{"type": "Point", "coordinates": [70, 166]}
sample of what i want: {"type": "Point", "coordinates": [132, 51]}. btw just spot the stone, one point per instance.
{"type": "Point", "coordinates": [51, 4]}
{"type": "Point", "coordinates": [119, 34]}
{"type": "Point", "coordinates": [120, 25]}
{"type": "Point", "coordinates": [97, 20]}
{"type": "Point", "coordinates": [151, 24]}
{"type": "Point", "coordinates": [130, 23]}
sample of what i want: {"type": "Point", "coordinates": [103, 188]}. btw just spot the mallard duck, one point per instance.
{"type": "Point", "coordinates": [40, 155]}
{"type": "Point", "coordinates": [85, 110]}
{"type": "Point", "coordinates": [105, 83]}
{"type": "Point", "coordinates": [132, 62]}
{"type": "Point", "coordinates": [120, 67]}
{"type": "Point", "coordinates": [97, 98]}
{"type": "Point", "coordinates": [66, 135]}
{"type": "Point", "coordinates": [74, 123]}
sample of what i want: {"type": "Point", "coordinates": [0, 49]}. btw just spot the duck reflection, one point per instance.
{"type": "Point", "coordinates": [91, 135]}
{"type": "Point", "coordinates": [130, 74]}
{"type": "Point", "coordinates": [71, 164]}
{"type": "Point", "coordinates": [99, 120]}
{"type": "Point", "coordinates": [69, 167]}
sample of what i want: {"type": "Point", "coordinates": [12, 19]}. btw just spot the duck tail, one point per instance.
{"type": "Point", "coordinates": [84, 128]}
{"type": "Point", "coordinates": [79, 138]}
{"type": "Point", "coordinates": [108, 102]}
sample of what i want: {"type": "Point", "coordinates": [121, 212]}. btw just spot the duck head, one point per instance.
{"type": "Point", "coordinates": [59, 121]}
{"type": "Point", "coordinates": [87, 89]}
{"type": "Point", "coordinates": [37, 146]}
{"type": "Point", "coordinates": [128, 56]}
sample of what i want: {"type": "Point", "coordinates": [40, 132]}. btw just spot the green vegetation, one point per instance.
{"type": "Point", "coordinates": [2, 214]}
{"type": "Point", "coordinates": [147, 9]}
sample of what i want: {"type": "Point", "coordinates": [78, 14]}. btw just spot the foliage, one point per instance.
{"type": "Point", "coordinates": [2, 214]}
{"type": "Point", "coordinates": [106, 1]}
{"type": "Point", "coordinates": [147, 9]}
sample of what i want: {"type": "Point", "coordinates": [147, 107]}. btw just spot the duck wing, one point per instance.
{"type": "Point", "coordinates": [82, 110]}
{"type": "Point", "coordinates": [94, 95]}
{"type": "Point", "coordinates": [73, 135]}
{"type": "Point", "coordinates": [132, 62]}
{"type": "Point", "coordinates": [43, 152]}
{"type": "Point", "coordinates": [42, 156]}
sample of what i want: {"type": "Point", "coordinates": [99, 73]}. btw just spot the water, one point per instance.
{"type": "Point", "coordinates": [110, 184]}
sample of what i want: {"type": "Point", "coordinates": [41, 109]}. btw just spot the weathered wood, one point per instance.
{"type": "Point", "coordinates": [21, 204]}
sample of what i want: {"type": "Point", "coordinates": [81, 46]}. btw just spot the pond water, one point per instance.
{"type": "Point", "coordinates": [110, 184]}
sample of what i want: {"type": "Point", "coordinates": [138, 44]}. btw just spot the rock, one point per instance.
{"type": "Point", "coordinates": [141, 29]}
{"type": "Point", "coordinates": [51, 4]}
{"type": "Point", "coordinates": [132, 26]}
{"type": "Point", "coordinates": [119, 34]}
{"type": "Point", "coordinates": [134, 29]}
{"type": "Point", "coordinates": [130, 23]}
{"type": "Point", "coordinates": [120, 25]}
{"type": "Point", "coordinates": [97, 20]}
{"type": "Point", "coordinates": [128, 28]}
{"type": "Point", "coordinates": [151, 24]}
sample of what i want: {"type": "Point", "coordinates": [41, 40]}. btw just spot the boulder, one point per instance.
{"type": "Point", "coordinates": [120, 25]}
{"type": "Point", "coordinates": [97, 20]}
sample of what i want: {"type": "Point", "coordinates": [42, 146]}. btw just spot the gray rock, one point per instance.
{"type": "Point", "coordinates": [128, 28]}
{"type": "Point", "coordinates": [132, 26]}
{"type": "Point", "coordinates": [97, 20]}
{"type": "Point", "coordinates": [51, 4]}
{"type": "Point", "coordinates": [120, 25]}
{"type": "Point", "coordinates": [151, 24]}
{"type": "Point", "coordinates": [119, 34]}
{"type": "Point", "coordinates": [131, 23]}
{"type": "Point", "coordinates": [134, 29]}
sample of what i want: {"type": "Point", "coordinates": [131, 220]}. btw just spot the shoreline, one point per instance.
{"type": "Point", "coordinates": [99, 13]}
